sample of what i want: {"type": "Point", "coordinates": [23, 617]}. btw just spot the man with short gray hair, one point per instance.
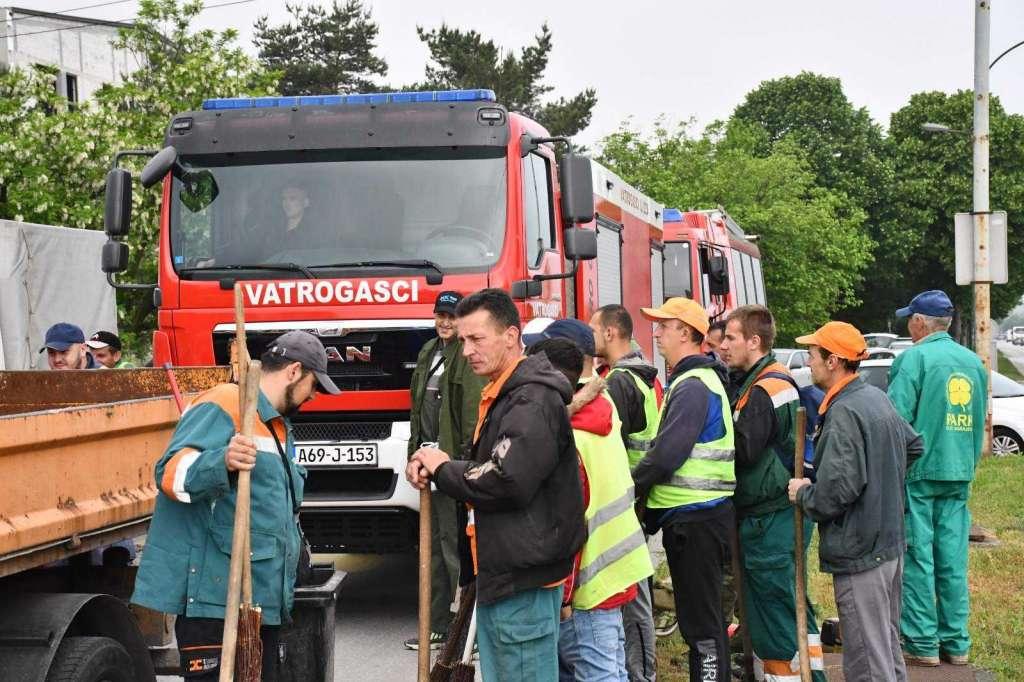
{"type": "Point", "coordinates": [941, 388]}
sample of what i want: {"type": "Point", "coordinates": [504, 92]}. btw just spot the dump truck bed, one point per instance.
{"type": "Point", "coordinates": [77, 451]}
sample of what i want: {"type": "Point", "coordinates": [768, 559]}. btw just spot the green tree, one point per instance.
{"type": "Point", "coordinates": [847, 153]}
{"type": "Point", "coordinates": [934, 181]}
{"type": "Point", "coordinates": [813, 251]}
{"type": "Point", "coordinates": [465, 60]}
{"type": "Point", "coordinates": [54, 159]}
{"type": "Point", "coordinates": [321, 51]}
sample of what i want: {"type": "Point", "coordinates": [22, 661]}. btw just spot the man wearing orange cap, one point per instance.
{"type": "Point", "coordinates": [861, 453]}
{"type": "Point", "coordinates": [686, 479]}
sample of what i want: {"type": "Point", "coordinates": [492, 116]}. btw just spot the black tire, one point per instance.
{"type": "Point", "coordinates": [1006, 442]}
{"type": "Point", "coordinates": [91, 659]}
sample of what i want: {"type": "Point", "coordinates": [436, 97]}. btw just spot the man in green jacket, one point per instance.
{"type": "Point", "coordinates": [941, 388]}
{"type": "Point", "coordinates": [765, 409]}
{"type": "Point", "coordinates": [185, 562]}
{"type": "Point", "coordinates": [445, 399]}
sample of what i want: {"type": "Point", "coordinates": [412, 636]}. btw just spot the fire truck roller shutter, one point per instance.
{"type": "Point", "coordinates": [609, 262]}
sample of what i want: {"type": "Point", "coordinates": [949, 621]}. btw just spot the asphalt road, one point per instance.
{"type": "Point", "coordinates": [1014, 354]}
{"type": "Point", "coordinates": [375, 615]}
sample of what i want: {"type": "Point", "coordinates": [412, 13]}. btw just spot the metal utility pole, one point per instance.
{"type": "Point", "coordinates": [982, 270]}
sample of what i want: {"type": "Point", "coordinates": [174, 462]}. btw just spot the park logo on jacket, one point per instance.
{"type": "Point", "coordinates": [959, 392]}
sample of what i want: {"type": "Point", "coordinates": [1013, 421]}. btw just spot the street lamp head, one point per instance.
{"type": "Point", "coordinates": [935, 128]}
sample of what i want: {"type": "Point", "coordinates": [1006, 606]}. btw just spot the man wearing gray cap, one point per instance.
{"type": "Point", "coordinates": [185, 562]}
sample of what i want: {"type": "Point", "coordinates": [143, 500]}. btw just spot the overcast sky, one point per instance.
{"type": "Point", "coordinates": [683, 58]}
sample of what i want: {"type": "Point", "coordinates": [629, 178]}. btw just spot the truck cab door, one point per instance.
{"type": "Point", "coordinates": [540, 230]}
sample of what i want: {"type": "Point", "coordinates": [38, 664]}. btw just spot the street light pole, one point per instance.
{"type": "Point", "coordinates": [982, 271]}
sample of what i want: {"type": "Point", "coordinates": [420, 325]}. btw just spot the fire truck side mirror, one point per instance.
{"type": "Point", "coordinates": [718, 276]}
{"type": "Point", "coordinates": [118, 211]}
{"type": "Point", "coordinates": [580, 244]}
{"type": "Point", "coordinates": [114, 258]}
{"type": "Point", "coordinates": [158, 167]}
{"type": "Point", "coordinates": [577, 189]}
{"type": "Point", "coordinates": [523, 289]}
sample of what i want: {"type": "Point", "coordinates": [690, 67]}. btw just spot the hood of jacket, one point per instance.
{"type": "Point", "coordinates": [589, 410]}
{"type": "Point", "coordinates": [638, 365]}
{"type": "Point", "coordinates": [536, 369]}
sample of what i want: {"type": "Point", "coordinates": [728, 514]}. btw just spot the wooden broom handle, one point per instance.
{"type": "Point", "coordinates": [241, 357]}
{"type": "Point", "coordinates": [423, 662]}
{"type": "Point", "coordinates": [798, 551]}
{"type": "Point", "coordinates": [241, 353]}
{"type": "Point", "coordinates": [239, 538]}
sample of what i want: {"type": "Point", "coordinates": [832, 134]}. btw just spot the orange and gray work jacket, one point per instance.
{"type": "Point", "coordinates": [765, 416]}
{"type": "Point", "coordinates": [185, 561]}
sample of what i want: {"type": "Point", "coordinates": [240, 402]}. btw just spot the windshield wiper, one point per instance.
{"type": "Point", "coordinates": [412, 263]}
{"type": "Point", "coordinates": [290, 267]}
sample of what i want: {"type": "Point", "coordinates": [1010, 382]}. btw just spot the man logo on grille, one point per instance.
{"type": "Point", "coordinates": [352, 354]}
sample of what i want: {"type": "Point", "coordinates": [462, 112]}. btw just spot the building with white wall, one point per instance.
{"type": "Point", "coordinates": [81, 48]}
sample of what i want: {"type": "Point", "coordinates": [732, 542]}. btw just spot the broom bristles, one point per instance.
{"type": "Point", "coordinates": [441, 672]}
{"type": "Point", "coordinates": [249, 666]}
{"type": "Point", "coordinates": [464, 672]}
{"type": "Point", "coordinates": [447, 657]}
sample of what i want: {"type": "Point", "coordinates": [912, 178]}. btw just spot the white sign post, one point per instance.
{"type": "Point", "coordinates": [967, 248]}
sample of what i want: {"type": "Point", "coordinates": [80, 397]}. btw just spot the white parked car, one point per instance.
{"type": "Point", "coordinates": [1007, 406]}
{"type": "Point", "coordinates": [879, 339]}
{"type": "Point", "coordinates": [796, 360]}
{"type": "Point", "coordinates": [901, 344]}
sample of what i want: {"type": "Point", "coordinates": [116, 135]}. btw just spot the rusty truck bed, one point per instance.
{"type": "Point", "coordinates": [77, 451]}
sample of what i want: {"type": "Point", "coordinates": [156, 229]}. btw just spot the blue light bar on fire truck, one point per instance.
{"type": "Point", "coordinates": [479, 95]}
{"type": "Point", "coordinates": [672, 215]}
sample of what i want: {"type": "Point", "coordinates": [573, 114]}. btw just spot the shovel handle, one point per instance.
{"type": "Point", "coordinates": [798, 551]}
{"type": "Point", "coordinates": [424, 591]}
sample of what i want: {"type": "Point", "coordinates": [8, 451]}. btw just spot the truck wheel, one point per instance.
{"type": "Point", "coordinates": [91, 659]}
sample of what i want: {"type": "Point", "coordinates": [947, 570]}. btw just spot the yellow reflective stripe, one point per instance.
{"type": "Point", "coordinates": [638, 445]}
{"type": "Point", "coordinates": [610, 556]}
{"type": "Point", "coordinates": [713, 454]}
{"type": "Point", "coordinates": [610, 511]}
{"type": "Point", "coordinates": [691, 483]}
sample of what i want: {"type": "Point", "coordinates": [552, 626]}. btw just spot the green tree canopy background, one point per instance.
{"type": "Point", "coordinates": [54, 158]}
{"type": "Point", "coordinates": [322, 51]}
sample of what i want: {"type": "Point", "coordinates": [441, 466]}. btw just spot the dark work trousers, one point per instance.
{"type": "Point", "coordinates": [696, 548]}
{"type": "Point", "coordinates": [444, 559]}
{"type": "Point", "coordinates": [199, 643]}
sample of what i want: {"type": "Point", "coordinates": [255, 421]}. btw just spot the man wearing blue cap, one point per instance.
{"type": "Point", "coordinates": [65, 348]}
{"type": "Point", "coordinates": [941, 388]}
{"type": "Point", "coordinates": [577, 331]}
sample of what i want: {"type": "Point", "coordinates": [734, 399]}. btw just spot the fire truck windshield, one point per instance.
{"type": "Point", "coordinates": [444, 207]}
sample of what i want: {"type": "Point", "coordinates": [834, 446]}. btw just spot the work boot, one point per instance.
{"type": "Point", "coordinates": [665, 623]}
{"type": "Point", "coordinates": [437, 640]}
{"type": "Point", "coordinates": [953, 659]}
{"type": "Point", "coordinates": [921, 661]}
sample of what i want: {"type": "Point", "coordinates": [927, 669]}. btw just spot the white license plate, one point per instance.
{"type": "Point", "coordinates": [336, 454]}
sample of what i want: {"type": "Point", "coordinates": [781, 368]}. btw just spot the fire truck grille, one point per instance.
{"type": "Point", "coordinates": [341, 431]}
{"type": "Point", "coordinates": [376, 531]}
{"type": "Point", "coordinates": [358, 360]}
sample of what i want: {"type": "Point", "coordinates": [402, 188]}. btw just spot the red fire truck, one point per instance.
{"type": "Point", "coordinates": [710, 259]}
{"type": "Point", "coordinates": [346, 216]}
